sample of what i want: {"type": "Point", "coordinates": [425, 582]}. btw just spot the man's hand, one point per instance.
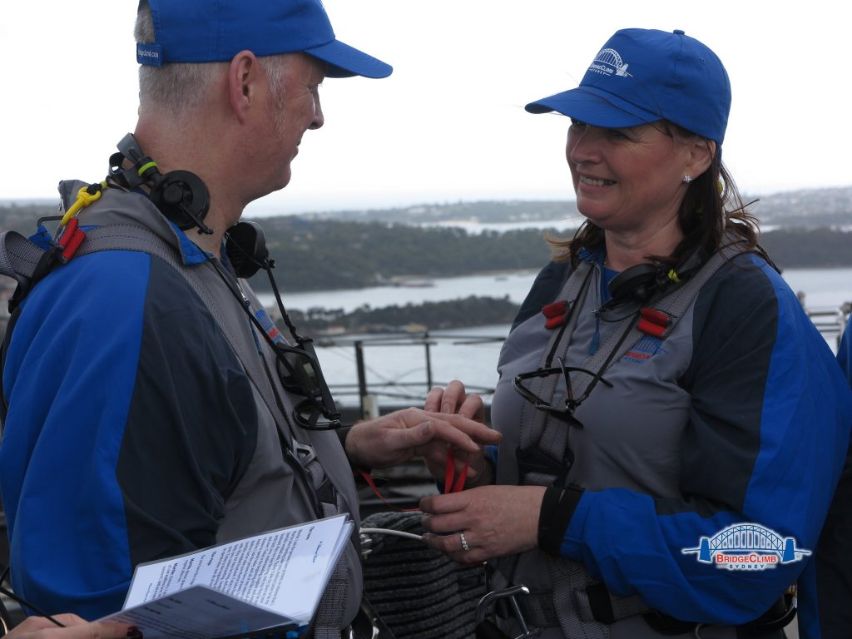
{"type": "Point", "coordinates": [75, 628]}
{"type": "Point", "coordinates": [495, 521]}
{"type": "Point", "coordinates": [401, 435]}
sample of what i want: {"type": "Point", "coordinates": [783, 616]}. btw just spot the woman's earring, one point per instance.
{"type": "Point", "coordinates": [686, 179]}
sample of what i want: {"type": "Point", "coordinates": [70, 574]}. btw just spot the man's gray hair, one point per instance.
{"type": "Point", "coordinates": [179, 87]}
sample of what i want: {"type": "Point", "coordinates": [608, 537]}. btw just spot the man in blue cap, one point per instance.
{"type": "Point", "coordinates": [150, 405]}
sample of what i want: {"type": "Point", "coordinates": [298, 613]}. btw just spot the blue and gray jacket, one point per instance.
{"type": "Point", "coordinates": [145, 419]}
{"type": "Point", "coordinates": [740, 415]}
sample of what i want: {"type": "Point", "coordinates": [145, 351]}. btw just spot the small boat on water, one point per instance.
{"type": "Point", "coordinates": [411, 282]}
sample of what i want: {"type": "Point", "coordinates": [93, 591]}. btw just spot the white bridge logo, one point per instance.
{"type": "Point", "coordinates": [747, 546]}
{"type": "Point", "coordinates": [609, 62]}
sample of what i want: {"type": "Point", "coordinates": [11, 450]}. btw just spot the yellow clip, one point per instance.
{"type": "Point", "coordinates": [84, 199]}
{"type": "Point", "coordinates": [673, 276]}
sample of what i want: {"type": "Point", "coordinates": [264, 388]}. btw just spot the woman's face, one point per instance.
{"type": "Point", "coordinates": [631, 179]}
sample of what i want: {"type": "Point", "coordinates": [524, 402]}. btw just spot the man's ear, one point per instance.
{"type": "Point", "coordinates": [244, 73]}
{"type": "Point", "coordinates": [701, 154]}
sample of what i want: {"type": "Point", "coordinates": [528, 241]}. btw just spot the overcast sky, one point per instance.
{"type": "Point", "coordinates": [449, 124]}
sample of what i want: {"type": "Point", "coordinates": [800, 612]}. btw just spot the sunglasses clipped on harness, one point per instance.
{"type": "Point", "coordinates": [300, 374]}
{"type": "Point", "coordinates": [297, 366]}
{"type": "Point", "coordinates": [565, 411]}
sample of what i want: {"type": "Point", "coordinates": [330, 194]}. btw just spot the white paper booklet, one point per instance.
{"type": "Point", "coordinates": [238, 588]}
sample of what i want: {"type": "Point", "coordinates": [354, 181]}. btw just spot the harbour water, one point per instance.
{"type": "Point", "coordinates": [401, 370]}
{"type": "Point", "coordinates": [822, 287]}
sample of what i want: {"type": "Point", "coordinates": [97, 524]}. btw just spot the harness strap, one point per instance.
{"type": "Point", "coordinates": [569, 578]}
{"type": "Point", "coordinates": [597, 603]}
{"type": "Point", "coordinates": [673, 304]}
{"type": "Point", "coordinates": [533, 421]}
{"type": "Point", "coordinates": [550, 436]}
{"type": "Point", "coordinates": [329, 617]}
{"type": "Point", "coordinates": [594, 603]}
{"type": "Point", "coordinates": [18, 256]}
{"type": "Point", "coordinates": [131, 237]}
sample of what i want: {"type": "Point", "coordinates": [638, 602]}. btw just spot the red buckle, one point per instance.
{"type": "Point", "coordinates": [556, 314]}
{"type": "Point", "coordinates": [72, 238]}
{"type": "Point", "coordinates": [653, 322]}
{"type": "Point", "coordinates": [555, 309]}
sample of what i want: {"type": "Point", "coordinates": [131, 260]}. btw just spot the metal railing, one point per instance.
{"type": "Point", "coordinates": [397, 389]}
{"type": "Point", "coordinates": [829, 322]}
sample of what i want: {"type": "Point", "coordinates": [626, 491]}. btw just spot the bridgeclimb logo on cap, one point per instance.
{"type": "Point", "coordinates": [609, 62]}
{"type": "Point", "coordinates": [640, 76]}
{"type": "Point", "coordinates": [150, 54]}
{"type": "Point", "coordinates": [747, 546]}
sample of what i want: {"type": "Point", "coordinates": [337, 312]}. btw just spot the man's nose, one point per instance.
{"type": "Point", "coordinates": [319, 118]}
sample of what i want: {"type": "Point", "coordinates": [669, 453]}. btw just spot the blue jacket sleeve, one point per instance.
{"type": "Point", "coordinates": [127, 426]}
{"type": "Point", "coordinates": [768, 431]}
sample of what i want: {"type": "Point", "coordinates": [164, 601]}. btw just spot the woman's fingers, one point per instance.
{"type": "Point", "coordinates": [433, 400]}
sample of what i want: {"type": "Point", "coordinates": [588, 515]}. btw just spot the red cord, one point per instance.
{"type": "Point", "coordinates": [452, 483]}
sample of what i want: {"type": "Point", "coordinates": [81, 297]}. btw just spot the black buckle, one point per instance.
{"type": "Point", "coordinates": [535, 460]}
{"type": "Point", "coordinates": [773, 620]}
{"type": "Point", "coordinates": [48, 260]}
{"type": "Point", "coordinates": [667, 625]}
{"type": "Point", "coordinates": [781, 613]}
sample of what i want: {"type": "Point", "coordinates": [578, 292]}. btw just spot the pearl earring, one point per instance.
{"type": "Point", "coordinates": [686, 179]}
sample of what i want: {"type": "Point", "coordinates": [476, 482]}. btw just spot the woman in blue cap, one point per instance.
{"type": "Point", "coordinates": [673, 424]}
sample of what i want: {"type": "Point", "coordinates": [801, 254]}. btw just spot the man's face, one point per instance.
{"type": "Point", "coordinates": [293, 108]}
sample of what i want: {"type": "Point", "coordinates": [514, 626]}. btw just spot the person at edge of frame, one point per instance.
{"type": "Point", "coordinates": [151, 407]}
{"type": "Point", "coordinates": [844, 351]}
{"type": "Point", "coordinates": [834, 552]}
{"type": "Point", "coordinates": [662, 393]}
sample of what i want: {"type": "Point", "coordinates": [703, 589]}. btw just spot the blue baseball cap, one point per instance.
{"type": "Point", "coordinates": [645, 75]}
{"type": "Point", "coordinates": [205, 31]}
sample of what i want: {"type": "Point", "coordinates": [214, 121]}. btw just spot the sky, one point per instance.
{"type": "Point", "coordinates": [449, 124]}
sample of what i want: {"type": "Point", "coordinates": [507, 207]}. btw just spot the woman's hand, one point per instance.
{"type": "Point", "coordinates": [401, 435]}
{"type": "Point", "coordinates": [454, 400]}
{"type": "Point", "coordinates": [75, 628]}
{"type": "Point", "coordinates": [495, 521]}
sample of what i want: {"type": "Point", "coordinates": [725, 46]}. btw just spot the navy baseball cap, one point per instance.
{"type": "Point", "coordinates": [645, 75]}
{"type": "Point", "coordinates": [205, 31]}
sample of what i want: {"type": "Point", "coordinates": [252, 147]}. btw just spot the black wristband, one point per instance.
{"type": "Point", "coordinates": [342, 433]}
{"type": "Point", "coordinates": [557, 507]}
